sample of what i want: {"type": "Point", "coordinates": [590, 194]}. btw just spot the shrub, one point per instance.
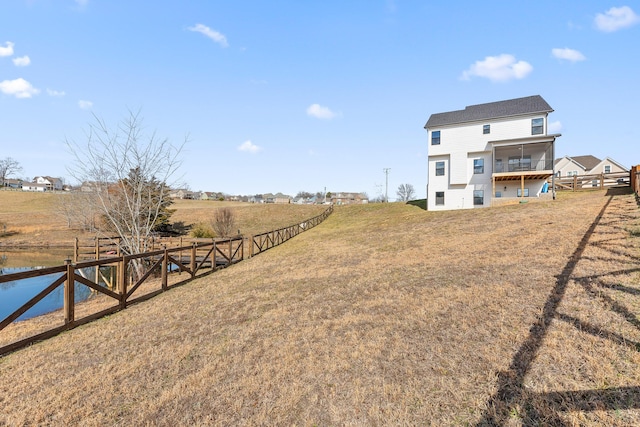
{"type": "Point", "coordinates": [224, 222]}
{"type": "Point", "coordinates": [201, 230]}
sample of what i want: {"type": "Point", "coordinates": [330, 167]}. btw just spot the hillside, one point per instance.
{"type": "Point", "coordinates": [32, 219]}
{"type": "Point", "coordinates": [383, 315]}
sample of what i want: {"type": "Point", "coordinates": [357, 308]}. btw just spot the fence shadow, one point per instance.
{"type": "Point", "coordinates": [544, 408]}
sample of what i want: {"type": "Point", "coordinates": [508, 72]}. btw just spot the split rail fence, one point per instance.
{"type": "Point", "coordinates": [121, 280]}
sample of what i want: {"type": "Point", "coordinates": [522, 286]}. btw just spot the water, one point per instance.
{"type": "Point", "coordinates": [16, 293]}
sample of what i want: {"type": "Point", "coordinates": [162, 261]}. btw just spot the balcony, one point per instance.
{"type": "Point", "coordinates": [528, 161]}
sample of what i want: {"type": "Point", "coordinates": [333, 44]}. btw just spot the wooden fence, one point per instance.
{"type": "Point", "coordinates": [578, 182]}
{"type": "Point", "coordinates": [635, 182]}
{"type": "Point", "coordinates": [127, 279]}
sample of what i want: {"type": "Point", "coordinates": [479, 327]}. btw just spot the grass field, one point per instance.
{"type": "Point", "coordinates": [32, 220]}
{"type": "Point", "coordinates": [383, 315]}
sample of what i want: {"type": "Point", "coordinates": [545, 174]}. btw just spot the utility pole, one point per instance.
{"type": "Point", "coordinates": [386, 187]}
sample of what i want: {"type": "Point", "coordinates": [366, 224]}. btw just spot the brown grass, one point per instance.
{"type": "Point", "coordinates": [383, 315]}
{"type": "Point", "coordinates": [32, 221]}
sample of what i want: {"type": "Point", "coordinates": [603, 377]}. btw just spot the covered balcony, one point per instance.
{"type": "Point", "coordinates": [522, 160]}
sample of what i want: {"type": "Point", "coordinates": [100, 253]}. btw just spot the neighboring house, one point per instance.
{"type": "Point", "coordinates": [50, 183]}
{"type": "Point", "coordinates": [348, 198]}
{"type": "Point", "coordinates": [586, 165]}
{"type": "Point", "coordinates": [489, 151]}
{"type": "Point", "coordinates": [33, 186]}
{"type": "Point", "coordinates": [181, 194]}
{"type": "Point", "coordinates": [13, 183]}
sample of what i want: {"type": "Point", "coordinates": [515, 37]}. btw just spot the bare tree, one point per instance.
{"type": "Point", "coordinates": [128, 171]}
{"type": "Point", "coordinates": [406, 192]}
{"type": "Point", "coordinates": [224, 222]}
{"type": "Point", "coordinates": [8, 167]}
{"type": "Point", "coordinates": [79, 209]}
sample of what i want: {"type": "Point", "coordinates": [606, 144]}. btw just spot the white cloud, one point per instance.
{"type": "Point", "coordinates": [22, 61]}
{"type": "Point", "coordinates": [20, 88]}
{"type": "Point", "coordinates": [554, 127]}
{"type": "Point", "coordinates": [212, 34]}
{"type": "Point", "coordinates": [7, 50]}
{"type": "Point", "coordinates": [52, 92]}
{"type": "Point", "coordinates": [320, 112]}
{"type": "Point", "coordinates": [85, 105]}
{"type": "Point", "coordinates": [249, 147]}
{"type": "Point", "coordinates": [568, 54]}
{"type": "Point", "coordinates": [498, 68]}
{"type": "Point", "coordinates": [616, 19]}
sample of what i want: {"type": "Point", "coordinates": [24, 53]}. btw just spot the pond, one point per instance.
{"type": "Point", "coordinates": [14, 294]}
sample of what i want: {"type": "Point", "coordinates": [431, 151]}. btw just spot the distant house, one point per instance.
{"type": "Point", "coordinates": [13, 183]}
{"type": "Point", "coordinates": [489, 151]}
{"type": "Point", "coordinates": [348, 198]}
{"type": "Point", "coordinates": [33, 186]}
{"type": "Point", "coordinates": [50, 183]}
{"type": "Point", "coordinates": [256, 199]}
{"type": "Point", "coordinates": [586, 165]}
{"type": "Point", "coordinates": [181, 194]}
{"type": "Point", "coordinates": [276, 198]}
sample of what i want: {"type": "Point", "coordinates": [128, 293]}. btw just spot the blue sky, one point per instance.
{"type": "Point", "coordinates": [300, 95]}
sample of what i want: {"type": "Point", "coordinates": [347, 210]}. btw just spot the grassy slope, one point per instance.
{"type": "Point", "coordinates": [384, 315]}
{"type": "Point", "coordinates": [32, 221]}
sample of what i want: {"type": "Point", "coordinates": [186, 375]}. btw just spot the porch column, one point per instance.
{"type": "Point", "coordinates": [493, 189]}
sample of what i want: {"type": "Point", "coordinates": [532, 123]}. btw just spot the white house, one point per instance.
{"type": "Point", "coordinates": [50, 183]}
{"type": "Point", "coordinates": [489, 151]}
{"type": "Point", "coordinates": [586, 165]}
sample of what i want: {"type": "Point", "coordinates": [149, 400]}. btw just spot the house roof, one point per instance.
{"type": "Point", "coordinates": [492, 110]}
{"type": "Point", "coordinates": [587, 162]}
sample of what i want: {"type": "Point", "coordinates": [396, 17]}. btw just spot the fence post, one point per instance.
{"type": "Point", "coordinates": [242, 248]}
{"type": "Point", "coordinates": [97, 248]}
{"type": "Point", "coordinates": [75, 250]}
{"type": "Point", "coordinates": [122, 281]}
{"type": "Point", "coordinates": [601, 181]}
{"type": "Point", "coordinates": [69, 294]}
{"type": "Point", "coordinates": [251, 246]}
{"type": "Point", "coordinates": [230, 251]}
{"type": "Point", "coordinates": [193, 259]}
{"type": "Point", "coordinates": [165, 266]}
{"type": "Point", "coordinates": [575, 182]}
{"type": "Point", "coordinates": [214, 266]}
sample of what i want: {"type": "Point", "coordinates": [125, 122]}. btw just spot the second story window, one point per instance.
{"type": "Point", "coordinates": [607, 168]}
{"type": "Point", "coordinates": [537, 126]}
{"type": "Point", "coordinates": [478, 166]}
{"type": "Point", "coordinates": [435, 137]}
{"type": "Point", "coordinates": [439, 168]}
{"type": "Point", "coordinates": [486, 129]}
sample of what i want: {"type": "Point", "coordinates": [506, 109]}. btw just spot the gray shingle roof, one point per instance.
{"type": "Point", "coordinates": [589, 161]}
{"type": "Point", "coordinates": [512, 107]}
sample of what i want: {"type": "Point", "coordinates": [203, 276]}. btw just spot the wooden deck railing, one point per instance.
{"type": "Point", "coordinates": [137, 277]}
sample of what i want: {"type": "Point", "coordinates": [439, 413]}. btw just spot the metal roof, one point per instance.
{"type": "Point", "coordinates": [492, 110]}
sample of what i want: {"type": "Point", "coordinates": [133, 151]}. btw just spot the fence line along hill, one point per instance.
{"type": "Point", "coordinates": [384, 315]}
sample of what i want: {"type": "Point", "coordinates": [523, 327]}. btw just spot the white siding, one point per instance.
{"type": "Point", "coordinates": [459, 146]}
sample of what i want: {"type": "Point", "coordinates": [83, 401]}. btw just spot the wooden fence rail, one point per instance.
{"type": "Point", "coordinates": [600, 180]}
{"type": "Point", "coordinates": [150, 270]}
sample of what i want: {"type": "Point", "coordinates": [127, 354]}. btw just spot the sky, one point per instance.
{"type": "Point", "coordinates": [289, 96]}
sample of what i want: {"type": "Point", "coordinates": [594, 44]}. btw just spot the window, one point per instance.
{"type": "Point", "coordinates": [439, 198]}
{"type": "Point", "coordinates": [439, 168]}
{"type": "Point", "coordinates": [607, 168]}
{"type": "Point", "coordinates": [526, 192]}
{"type": "Point", "coordinates": [498, 194]}
{"type": "Point", "coordinates": [486, 129]}
{"type": "Point", "coordinates": [478, 166]}
{"type": "Point", "coordinates": [572, 173]}
{"type": "Point", "coordinates": [517, 164]}
{"type": "Point", "coordinates": [537, 126]}
{"type": "Point", "coordinates": [435, 137]}
{"type": "Point", "coordinates": [499, 165]}
{"type": "Point", "coordinates": [478, 197]}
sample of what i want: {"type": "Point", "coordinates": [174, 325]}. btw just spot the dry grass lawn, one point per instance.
{"type": "Point", "coordinates": [383, 315]}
